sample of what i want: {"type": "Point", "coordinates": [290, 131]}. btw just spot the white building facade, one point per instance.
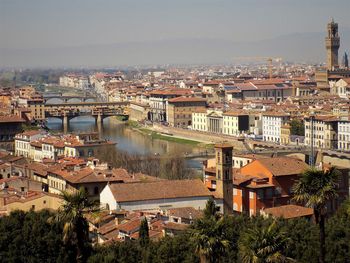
{"type": "Point", "coordinates": [344, 135]}
{"type": "Point", "coordinates": [271, 126]}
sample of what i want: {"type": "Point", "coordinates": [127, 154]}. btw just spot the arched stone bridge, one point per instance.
{"type": "Point", "coordinates": [67, 98]}
{"type": "Point", "coordinates": [98, 110]}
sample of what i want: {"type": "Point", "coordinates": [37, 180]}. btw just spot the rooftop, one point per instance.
{"type": "Point", "coordinates": [289, 211]}
{"type": "Point", "coordinates": [164, 189]}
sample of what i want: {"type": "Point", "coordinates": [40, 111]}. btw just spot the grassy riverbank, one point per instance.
{"type": "Point", "coordinates": [156, 135]}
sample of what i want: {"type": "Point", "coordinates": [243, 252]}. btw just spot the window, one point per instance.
{"type": "Point", "coordinates": [96, 190]}
{"type": "Point", "coordinates": [260, 194]}
{"type": "Point", "coordinates": [278, 190]}
{"type": "Point", "coordinates": [251, 195]}
{"type": "Point", "coordinates": [269, 193]}
{"type": "Point", "coordinates": [234, 191]}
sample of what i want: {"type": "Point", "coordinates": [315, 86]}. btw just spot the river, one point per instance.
{"type": "Point", "coordinates": [128, 140]}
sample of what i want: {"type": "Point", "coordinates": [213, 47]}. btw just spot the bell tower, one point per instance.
{"type": "Point", "coordinates": [332, 45]}
{"type": "Point", "coordinates": [224, 184]}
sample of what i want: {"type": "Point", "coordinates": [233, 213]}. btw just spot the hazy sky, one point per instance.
{"type": "Point", "coordinates": [58, 23]}
{"type": "Point", "coordinates": [77, 32]}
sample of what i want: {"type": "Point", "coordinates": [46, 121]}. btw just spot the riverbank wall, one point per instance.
{"type": "Point", "coordinates": [198, 136]}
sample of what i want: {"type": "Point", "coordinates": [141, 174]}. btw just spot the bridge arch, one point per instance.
{"type": "Point", "coordinates": [72, 100]}
{"type": "Point", "coordinates": [54, 100]}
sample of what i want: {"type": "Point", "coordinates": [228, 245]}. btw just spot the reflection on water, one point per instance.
{"type": "Point", "coordinates": [127, 140]}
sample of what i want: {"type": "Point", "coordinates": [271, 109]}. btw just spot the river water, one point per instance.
{"type": "Point", "coordinates": [128, 140]}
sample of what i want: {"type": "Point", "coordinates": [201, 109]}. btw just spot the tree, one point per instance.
{"type": "Point", "coordinates": [208, 238]}
{"type": "Point", "coordinates": [28, 237]}
{"type": "Point", "coordinates": [211, 209]}
{"type": "Point", "coordinates": [338, 235]}
{"type": "Point", "coordinates": [263, 244]}
{"type": "Point", "coordinates": [304, 239]}
{"type": "Point", "coordinates": [297, 127]}
{"type": "Point", "coordinates": [143, 233]}
{"type": "Point", "coordinates": [71, 214]}
{"type": "Point", "coordinates": [314, 189]}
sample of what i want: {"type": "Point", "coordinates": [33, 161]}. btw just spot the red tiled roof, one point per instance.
{"type": "Point", "coordinates": [289, 211]}
{"type": "Point", "coordinates": [11, 118]}
{"type": "Point", "coordinates": [159, 190]}
{"type": "Point", "coordinates": [280, 166]}
{"type": "Point", "coordinates": [187, 99]}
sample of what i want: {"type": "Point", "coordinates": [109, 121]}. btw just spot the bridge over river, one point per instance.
{"type": "Point", "coordinates": [98, 110]}
{"type": "Point", "coordinates": [65, 98]}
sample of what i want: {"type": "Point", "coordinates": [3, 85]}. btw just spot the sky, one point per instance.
{"type": "Point", "coordinates": [52, 24]}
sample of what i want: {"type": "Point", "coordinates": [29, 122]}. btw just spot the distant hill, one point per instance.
{"type": "Point", "coordinates": [300, 47]}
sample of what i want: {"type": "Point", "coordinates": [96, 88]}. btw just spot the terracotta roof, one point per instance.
{"type": "Point", "coordinates": [187, 99]}
{"type": "Point", "coordinates": [169, 92]}
{"type": "Point", "coordinates": [239, 178]}
{"type": "Point", "coordinates": [158, 190]}
{"type": "Point", "coordinates": [185, 212]}
{"type": "Point", "coordinates": [289, 211]}
{"type": "Point", "coordinates": [130, 226]}
{"type": "Point", "coordinates": [235, 113]}
{"type": "Point", "coordinates": [275, 113]}
{"type": "Point", "coordinates": [280, 166]}
{"type": "Point", "coordinates": [11, 118]}
{"type": "Point", "coordinates": [108, 227]}
{"type": "Point", "coordinates": [38, 168]}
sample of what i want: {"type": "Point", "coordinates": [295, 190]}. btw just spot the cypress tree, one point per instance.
{"type": "Point", "coordinates": [143, 233]}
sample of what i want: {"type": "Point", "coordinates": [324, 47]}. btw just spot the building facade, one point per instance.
{"type": "Point", "coordinates": [324, 130]}
{"type": "Point", "coordinates": [235, 123]}
{"type": "Point", "coordinates": [180, 109]}
{"type": "Point", "coordinates": [271, 126]}
{"type": "Point", "coordinates": [344, 135]}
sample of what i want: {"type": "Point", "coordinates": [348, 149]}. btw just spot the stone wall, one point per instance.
{"type": "Point", "coordinates": [200, 136]}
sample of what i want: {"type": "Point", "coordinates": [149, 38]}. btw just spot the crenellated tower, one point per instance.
{"type": "Point", "coordinates": [332, 45]}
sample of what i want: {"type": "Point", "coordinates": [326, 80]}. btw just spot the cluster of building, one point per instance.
{"type": "Point", "coordinates": [39, 146]}
{"type": "Point", "coordinates": [244, 104]}
{"type": "Point", "coordinates": [74, 81]}
{"type": "Point", "coordinates": [249, 184]}
{"type": "Point", "coordinates": [18, 106]}
{"type": "Point", "coordinates": [236, 103]}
